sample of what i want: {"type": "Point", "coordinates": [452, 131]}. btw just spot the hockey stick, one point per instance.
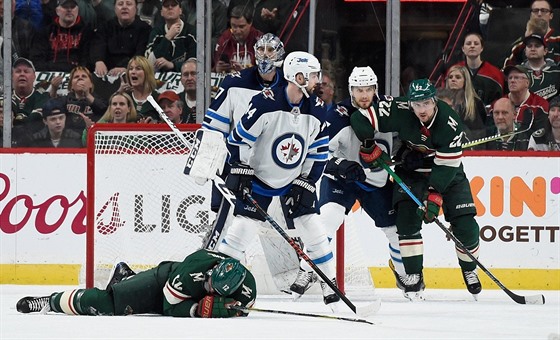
{"type": "Point", "coordinates": [365, 310]}
{"type": "Point", "coordinates": [532, 300]}
{"type": "Point", "coordinates": [496, 137]}
{"type": "Point", "coordinates": [253, 309]}
{"type": "Point", "coordinates": [218, 181]}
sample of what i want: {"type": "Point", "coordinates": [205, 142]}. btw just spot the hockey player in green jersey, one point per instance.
{"type": "Point", "coordinates": [204, 285]}
{"type": "Point", "coordinates": [431, 133]}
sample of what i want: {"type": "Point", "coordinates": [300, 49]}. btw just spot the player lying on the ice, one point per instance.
{"type": "Point", "coordinates": [204, 285]}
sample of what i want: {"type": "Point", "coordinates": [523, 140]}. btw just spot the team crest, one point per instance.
{"type": "Point", "coordinates": [342, 110]}
{"type": "Point", "coordinates": [268, 94]}
{"type": "Point", "coordinates": [318, 101]}
{"type": "Point", "coordinates": [287, 150]}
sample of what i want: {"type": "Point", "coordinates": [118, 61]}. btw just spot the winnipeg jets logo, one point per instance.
{"type": "Point", "coordinates": [287, 150]}
{"type": "Point", "coordinates": [342, 110]}
{"type": "Point", "coordinates": [268, 94]}
{"type": "Point", "coordinates": [318, 102]}
{"type": "Point", "coordinates": [235, 74]}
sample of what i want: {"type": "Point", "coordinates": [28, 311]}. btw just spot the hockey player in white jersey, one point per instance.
{"type": "Point", "coordinates": [279, 148]}
{"type": "Point", "coordinates": [346, 181]}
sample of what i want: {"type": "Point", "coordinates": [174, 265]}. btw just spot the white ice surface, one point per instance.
{"type": "Point", "coordinates": [445, 314]}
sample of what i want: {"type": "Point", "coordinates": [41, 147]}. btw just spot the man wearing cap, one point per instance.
{"type": "Point", "coordinates": [531, 108]}
{"type": "Point", "coordinates": [27, 103]}
{"type": "Point", "coordinates": [172, 42]}
{"type": "Point", "coordinates": [54, 134]}
{"type": "Point", "coordinates": [540, 10]}
{"type": "Point", "coordinates": [548, 138]}
{"type": "Point", "coordinates": [65, 43]}
{"type": "Point", "coordinates": [544, 73]}
{"type": "Point", "coordinates": [172, 106]}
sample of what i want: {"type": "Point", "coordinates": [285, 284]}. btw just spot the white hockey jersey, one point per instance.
{"type": "Point", "coordinates": [345, 144]}
{"type": "Point", "coordinates": [233, 97]}
{"type": "Point", "coordinates": [281, 141]}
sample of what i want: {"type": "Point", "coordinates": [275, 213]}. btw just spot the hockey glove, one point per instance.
{"type": "Point", "coordinates": [348, 171]}
{"type": "Point", "coordinates": [301, 198]}
{"type": "Point", "coordinates": [372, 155]}
{"type": "Point", "coordinates": [432, 205]}
{"type": "Point", "coordinates": [240, 177]}
{"type": "Point", "coordinates": [412, 159]}
{"type": "Point", "coordinates": [212, 306]}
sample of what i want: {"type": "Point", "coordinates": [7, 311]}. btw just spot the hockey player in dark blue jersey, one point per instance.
{"type": "Point", "coordinates": [345, 180]}
{"type": "Point", "coordinates": [279, 148]}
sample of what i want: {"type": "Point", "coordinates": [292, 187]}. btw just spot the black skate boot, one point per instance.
{"type": "Point", "coordinates": [303, 282]}
{"type": "Point", "coordinates": [398, 279]}
{"type": "Point", "coordinates": [33, 304]}
{"type": "Point", "coordinates": [472, 282]}
{"type": "Point", "coordinates": [329, 296]}
{"type": "Point", "coordinates": [413, 286]}
{"type": "Point", "coordinates": [120, 271]}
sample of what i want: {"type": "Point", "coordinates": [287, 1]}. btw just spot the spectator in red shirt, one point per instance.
{"type": "Point", "coordinates": [234, 50]}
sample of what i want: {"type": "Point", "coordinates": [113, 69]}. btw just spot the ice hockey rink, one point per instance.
{"type": "Point", "coordinates": [445, 314]}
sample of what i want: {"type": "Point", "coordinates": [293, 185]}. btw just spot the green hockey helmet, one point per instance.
{"type": "Point", "coordinates": [227, 276]}
{"type": "Point", "coordinates": [421, 89]}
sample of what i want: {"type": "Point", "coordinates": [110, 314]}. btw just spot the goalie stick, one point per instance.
{"type": "Point", "coordinates": [531, 300]}
{"type": "Point", "coordinates": [362, 310]}
{"type": "Point", "coordinates": [274, 311]}
{"type": "Point", "coordinates": [218, 181]}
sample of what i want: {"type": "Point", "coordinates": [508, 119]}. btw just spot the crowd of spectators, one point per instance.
{"type": "Point", "coordinates": [130, 40]}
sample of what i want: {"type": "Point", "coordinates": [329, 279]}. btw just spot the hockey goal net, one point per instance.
{"type": "Point", "coordinates": [143, 210]}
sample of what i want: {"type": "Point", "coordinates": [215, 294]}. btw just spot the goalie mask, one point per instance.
{"type": "Point", "coordinates": [227, 276]}
{"type": "Point", "coordinates": [362, 76]}
{"type": "Point", "coordinates": [269, 51]}
{"type": "Point", "coordinates": [304, 63]}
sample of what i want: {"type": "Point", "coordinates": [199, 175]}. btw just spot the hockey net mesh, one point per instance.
{"type": "Point", "coordinates": [143, 210]}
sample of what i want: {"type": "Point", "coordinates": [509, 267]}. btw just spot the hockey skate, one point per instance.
{"type": "Point", "coordinates": [303, 282]}
{"type": "Point", "coordinates": [329, 296]}
{"type": "Point", "coordinates": [472, 282]}
{"type": "Point", "coordinates": [412, 285]}
{"type": "Point", "coordinates": [120, 271]}
{"type": "Point", "coordinates": [33, 304]}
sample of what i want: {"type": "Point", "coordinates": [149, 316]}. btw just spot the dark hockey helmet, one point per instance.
{"type": "Point", "coordinates": [227, 276]}
{"type": "Point", "coordinates": [269, 53]}
{"type": "Point", "coordinates": [421, 89]}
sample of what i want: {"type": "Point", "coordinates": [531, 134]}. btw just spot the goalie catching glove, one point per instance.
{"type": "Point", "coordinates": [301, 200]}
{"type": "Point", "coordinates": [213, 306]}
{"type": "Point", "coordinates": [432, 205]}
{"type": "Point", "coordinates": [240, 178]}
{"type": "Point", "coordinates": [372, 154]}
{"type": "Point", "coordinates": [348, 171]}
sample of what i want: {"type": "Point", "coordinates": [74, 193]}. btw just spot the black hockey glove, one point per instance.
{"type": "Point", "coordinates": [412, 159]}
{"type": "Point", "coordinates": [348, 171]}
{"type": "Point", "coordinates": [240, 177]}
{"type": "Point", "coordinates": [301, 199]}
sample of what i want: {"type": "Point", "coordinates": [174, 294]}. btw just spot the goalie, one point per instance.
{"type": "Point", "coordinates": [206, 284]}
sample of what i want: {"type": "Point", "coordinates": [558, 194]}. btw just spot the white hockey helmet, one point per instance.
{"type": "Point", "coordinates": [362, 76]}
{"type": "Point", "coordinates": [301, 62]}
{"type": "Point", "coordinates": [267, 62]}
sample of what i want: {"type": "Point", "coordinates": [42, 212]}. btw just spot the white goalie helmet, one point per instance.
{"type": "Point", "coordinates": [269, 52]}
{"type": "Point", "coordinates": [362, 76]}
{"type": "Point", "coordinates": [301, 62]}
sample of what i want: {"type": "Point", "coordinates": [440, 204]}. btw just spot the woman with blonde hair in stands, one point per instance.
{"type": "Point", "coordinates": [121, 110]}
{"type": "Point", "coordinates": [140, 82]}
{"type": "Point", "coordinates": [466, 102]}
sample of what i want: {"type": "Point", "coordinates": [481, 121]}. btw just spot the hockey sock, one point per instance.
{"type": "Point", "coordinates": [466, 230]}
{"type": "Point", "coordinates": [394, 249]}
{"type": "Point", "coordinates": [67, 302]}
{"type": "Point", "coordinates": [316, 243]}
{"type": "Point", "coordinates": [412, 252]}
{"type": "Point", "coordinates": [239, 235]}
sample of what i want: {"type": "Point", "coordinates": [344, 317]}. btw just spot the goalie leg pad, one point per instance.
{"type": "Point", "coordinates": [207, 156]}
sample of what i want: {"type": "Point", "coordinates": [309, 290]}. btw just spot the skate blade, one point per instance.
{"type": "Point", "coordinates": [296, 296]}
{"type": "Point", "coordinates": [334, 306]}
{"type": "Point", "coordinates": [475, 297]}
{"type": "Point", "coordinates": [414, 296]}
